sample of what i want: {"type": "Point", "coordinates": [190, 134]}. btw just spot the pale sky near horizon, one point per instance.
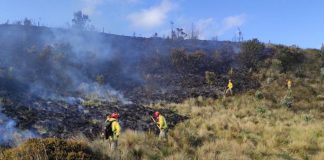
{"type": "Point", "coordinates": [289, 22]}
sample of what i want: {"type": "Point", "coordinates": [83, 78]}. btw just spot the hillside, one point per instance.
{"type": "Point", "coordinates": [58, 61]}
{"type": "Point", "coordinates": [60, 83]}
{"type": "Point", "coordinates": [51, 78]}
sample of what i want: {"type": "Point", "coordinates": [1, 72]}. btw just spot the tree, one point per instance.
{"type": "Point", "coordinates": [251, 53]}
{"type": "Point", "coordinates": [80, 20]}
{"type": "Point", "coordinates": [290, 57]}
{"type": "Point", "coordinates": [180, 33]}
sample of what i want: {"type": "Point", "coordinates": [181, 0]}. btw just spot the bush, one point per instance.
{"type": "Point", "coordinates": [252, 52]}
{"type": "Point", "coordinates": [179, 58]}
{"type": "Point", "coordinates": [51, 149]}
{"type": "Point", "coordinates": [289, 57]}
{"type": "Point", "coordinates": [210, 77]}
{"type": "Point", "coordinates": [196, 62]}
{"type": "Point", "coordinates": [276, 65]}
{"type": "Point", "coordinates": [258, 95]}
{"type": "Point", "coordinates": [261, 110]}
{"type": "Point", "coordinates": [299, 72]}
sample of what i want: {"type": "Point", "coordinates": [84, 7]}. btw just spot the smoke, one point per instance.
{"type": "Point", "coordinates": [59, 63]}
{"type": "Point", "coordinates": [10, 135]}
{"type": "Point", "coordinates": [209, 27]}
{"type": "Point", "coordinates": [231, 22]}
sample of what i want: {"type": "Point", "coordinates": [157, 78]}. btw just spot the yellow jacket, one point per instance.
{"type": "Point", "coordinates": [162, 122]}
{"type": "Point", "coordinates": [289, 84]}
{"type": "Point", "coordinates": [230, 85]}
{"type": "Point", "coordinates": [115, 128]}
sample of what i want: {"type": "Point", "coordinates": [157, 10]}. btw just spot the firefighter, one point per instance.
{"type": "Point", "coordinates": [229, 87]}
{"type": "Point", "coordinates": [289, 82]}
{"type": "Point", "coordinates": [162, 124]}
{"type": "Point", "coordinates": [112, 129]}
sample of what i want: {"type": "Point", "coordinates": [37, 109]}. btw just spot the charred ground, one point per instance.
{"type": "Point", "coordinates": [59, 82]}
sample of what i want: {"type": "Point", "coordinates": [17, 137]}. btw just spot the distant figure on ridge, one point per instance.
{"type": "Point", "coordinates": [162, 124]}
{"type": "Point", "coordinates": [289, 84]}
{"type": "Point", "coordinates": [229, 87]}
{"type": "Point", "coordinates": [112, 129]}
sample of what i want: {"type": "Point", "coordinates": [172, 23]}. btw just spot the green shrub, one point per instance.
{"type": "Point", "coordinates": [276, 65]}
{"type": "Point", "coordinates": [210, 77]}
{"type": "Point", "coordinates": [51, 149]}
{"type": "Point", "coordinates": [258, 95]}
{"type": "Point", "coordinates": [261, 110]}
{"type": "Point", "coordinates": [179, 59]}
{"type": "Point", "coordinates": [299, 72]}
{"type": "Point", "coordinates": [289, 57]}
{"type": "Point", "coordinates": [252, 54]}
{"type": "Point", "coordinates": [307, 117]}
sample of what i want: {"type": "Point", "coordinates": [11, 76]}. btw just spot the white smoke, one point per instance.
{"type": "Point", "coordinates": [102, 93]}
{"type": "Point", "coordinates": [231, 22]}
{"type": "Point", "coordinates": [10, 135]}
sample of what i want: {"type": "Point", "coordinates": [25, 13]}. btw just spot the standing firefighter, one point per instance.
{"type": "Point", "coordinates": [112, 129]}
{"type": "Point", "coordinates": [289, 84]}
{"type": "Point", "coordinates": [229, 87]}
{"type": "Point", "coordinates": [162, 124]}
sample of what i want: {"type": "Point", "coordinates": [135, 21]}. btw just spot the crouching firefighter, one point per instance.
{"type": "Point", "coordinates": [112, 129]}
{"type": "Point", "coordinates": [162, 124]}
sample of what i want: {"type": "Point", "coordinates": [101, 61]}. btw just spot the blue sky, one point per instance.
{"type": "Point", "coordinates": [299, 22]}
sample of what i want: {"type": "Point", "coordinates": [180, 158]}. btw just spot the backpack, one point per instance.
{"type": "Point", "coordinates": [108, 129]}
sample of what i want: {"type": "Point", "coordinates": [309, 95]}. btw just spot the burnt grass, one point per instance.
{"type": "Point", "coordinates": [63, 119]}
{"type": "Point", "coordinates": [178, 87]}
{"type": "Point", "coordinates": [49, 118]}
{"type": "Point", "coordinates": [144, 70]}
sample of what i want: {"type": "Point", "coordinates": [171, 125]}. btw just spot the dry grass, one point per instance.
{"type": "Point", "coordinates": [244, 126]}
{"type": "Point", "coordinates": [241, 127]}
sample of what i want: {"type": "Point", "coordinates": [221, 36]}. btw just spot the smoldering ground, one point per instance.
{"type": "Point", "coordinates": [47, 74]}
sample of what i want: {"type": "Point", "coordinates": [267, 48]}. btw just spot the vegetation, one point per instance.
{"type": "Point", "coordinates": [210, 77]}
{"type": "Point", "coordinates": [252, 53]}
{"type": "Point", "coordinates": [263, 123]}
{"type": "Point", "coordinates": [80, 20]}
{"type": "Point", "coordinates": [50, 149]}
{"type": "Point", "coordinates": [251, 125]}
{"type": "Point", "coordinates": [197, 62]}
{"type": "Point", "coordinates": [289, 57]}
{"type": "Point", "coordinates": [241, 127]}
